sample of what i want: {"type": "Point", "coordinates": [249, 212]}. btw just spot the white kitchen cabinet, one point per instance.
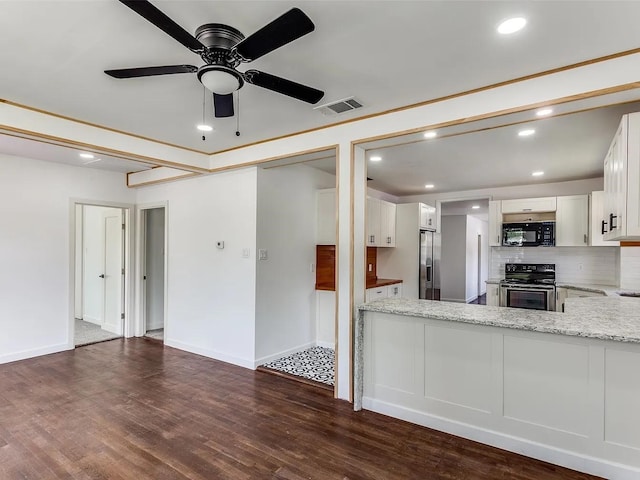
{"type": "Point", "coordinates": [622, 181]}
{"type": "Point", "coordinates": [493, 290]}
{"type": "Point", "coordinates": [394, 290]}
{"type": "Point", "coordinates": [428, 217]}
{"type": "Point", "coordinates": [326, 217]}
{"type": "Point", "coordinates": [572, 221]}
{"type": "Point", "coordinates": [561, 296]}
{"type": "Point", "coordinates": [381, 223]}
{"type": "Point", "coordinates": [598, 224]}
{"type": "Point", "coordinates": [526, 205]}
{"type": "Point", "coordinates": [495, 223]}
{"type": "Point", "coordinates": [387, 224]}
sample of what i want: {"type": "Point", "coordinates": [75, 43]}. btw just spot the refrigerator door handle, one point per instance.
{"type": "Point", "coordinates": [428, 273]}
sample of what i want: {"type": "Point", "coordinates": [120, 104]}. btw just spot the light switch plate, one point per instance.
{"type": "Point", "coordinates": [262, 254]}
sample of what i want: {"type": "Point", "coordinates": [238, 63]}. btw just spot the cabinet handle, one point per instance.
{"type": "Point", "coordinates": [585, 238]}
{"type": "Point", "coordinates": [527, 209]}
{"type": "Point", "coordinates": [602, 229]}
{"type": "Point", "coordinates": [611, 218]}
{"type": "Point", "coordinates": [372, 238]}
{"type": "Point", "coordinates": [388, 239]}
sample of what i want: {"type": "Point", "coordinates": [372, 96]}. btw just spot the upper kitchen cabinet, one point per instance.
{"type": "Point", "coordinates": [597, 226]}
{"type": "Point", "coordinates": [495, 223]}
{"type": "Point", "coordinates": [526, 205]}
{"type": "Point", "coordinates": [622, 181]}
{"type": "Point", "coordinates": [326, 217]}
{"type": "Point", "coordinates": [428, 217]}
{"type": "Point", "coordinates": [572, 221]}
{"type": "Point", "coordinates": [381, 223]}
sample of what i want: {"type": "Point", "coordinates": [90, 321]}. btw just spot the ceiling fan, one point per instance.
{"type": "Point", "coordinates": [223, 48]}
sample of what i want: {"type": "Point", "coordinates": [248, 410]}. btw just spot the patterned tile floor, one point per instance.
{"type": "Point", "coordinates": [315, 363]}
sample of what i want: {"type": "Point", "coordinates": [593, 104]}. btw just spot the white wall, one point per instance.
{"type": "Point", "coordinates": [630, 268]}
{"type": "Point", "coordinates": [285, 282]}
{"type": "Point", "coordinates": [453, 263]}
{"type": "Point", "coordinates": [36, 305]}
{"type": "Point", "coordinates": [210, 291]}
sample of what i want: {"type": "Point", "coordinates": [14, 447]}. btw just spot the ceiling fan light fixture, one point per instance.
{"type": "Point", "coordinates": [220, 79]}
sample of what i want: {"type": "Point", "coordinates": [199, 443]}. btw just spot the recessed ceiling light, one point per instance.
{"type": "Point", "coordinates": [537, 174]}
{"type": "Point", "coordinates": [512, 25]}
{"type": "Point", "coordinates": [429, 185]}
{"type": "Point", "coordinates": [544, 112]}
{"type": "Point", "coordinates": [430, 134]}
{"type": "Point", "coordinates": [375, 158]}
{"type": "Point", "coordinates": [526, 133]}
{"type": "Point", "coordinates": [475, 207]}
{"type": "Point", "coordinates": [86, 155]}
{"type": "Point", "coordinates": [204, 128]}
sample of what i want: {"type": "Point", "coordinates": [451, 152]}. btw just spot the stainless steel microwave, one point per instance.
{"type": "Point", "coordinates": [529, 234]}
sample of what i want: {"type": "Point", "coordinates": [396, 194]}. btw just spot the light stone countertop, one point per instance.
{"type": "Point", "coordinates": [606, 318]}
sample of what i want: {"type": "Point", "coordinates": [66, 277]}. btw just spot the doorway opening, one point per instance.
{"type": "Point", "coordinates": [153, 256]}
{"type": "Point", "coordinates": [99, 290]}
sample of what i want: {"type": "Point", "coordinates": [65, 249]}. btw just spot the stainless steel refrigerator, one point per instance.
{"type": "Point", "coordinates": [429, 284]}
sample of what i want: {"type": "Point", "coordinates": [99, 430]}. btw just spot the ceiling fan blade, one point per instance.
{"type": "Point", "coordinates": [284, 29]}
{"type": "Point", "coordinates": [164, 23]}
{"type": "Point", "coordinates": [283, 86]}
{"type": "Point", "coordinates": [150, 71]}
{"type": "Point", "coordinates": [223, 105]}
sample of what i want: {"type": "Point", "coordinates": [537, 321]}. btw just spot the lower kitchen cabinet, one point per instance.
{"type": "Point", "coordinates": [393, 290]}
{"type": "Point", "coordinates": [493, 290]}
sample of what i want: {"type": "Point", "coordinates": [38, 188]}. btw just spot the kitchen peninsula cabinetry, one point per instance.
{"type": "Point", "coordinates": [572, 221]}
{"type": "Point", "coordinates": [622, 181]}
{"type": "Point", "coordinates": [381, 223]}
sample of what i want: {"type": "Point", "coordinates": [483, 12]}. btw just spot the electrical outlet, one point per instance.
{"type": "Point", "coordinates": [246, 253]}
{"type": "Point", "coordinates": [371, 267]}
{"type": "Point", "coordinates": [312, 267]}
{"type": "Point", "coordinates": [262, 254]}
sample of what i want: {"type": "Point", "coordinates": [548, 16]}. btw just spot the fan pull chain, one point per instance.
{"type": "Point", "coordinates": [204, 96]}
{"type": "Point", "coordinates": [238, 115]}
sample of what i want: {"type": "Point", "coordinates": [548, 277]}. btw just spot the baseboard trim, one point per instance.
{"type": "Point", "coordinates": [456, 300]}
{"type": "Point", "coordinates": [205, 352]}
{"type": "Point", "coordinates": [326, 344]}
{"type": "Point", "coordinates": [564, 458]}
{"type": "Point", "coordinates": [90, 319]}
{"type": "Point", "coordinates": [36, 352]}
{"type": "Point", "coordinates": [283, 353]}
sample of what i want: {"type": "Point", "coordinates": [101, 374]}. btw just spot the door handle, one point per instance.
{"type": "Point", "coordinates": [101, 276]}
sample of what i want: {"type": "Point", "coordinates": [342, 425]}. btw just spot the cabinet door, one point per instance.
{"type": "Point", "coordinates": [387, 224]}
{"type": "Point", "coordinates": [525, 205]}
{"type": "Point", "coordinates": [633, 177]}
{"type": "Point", "coordinates": [598, 224]}
{"type": "Point", "coordinates": [375, 293]}
{"type": "Point", "coordinates": [427, 217]}
{"type": "Point", "coordinates": [495, 224]}
{"type": "Point", "coordinates": [373, 222]}
{"type": "Point", "coordinates": [492, 294]}
{"type": "Point", "coordinates": [395, 290]}
{"type": "Point", "coordinates": [326, 217]}
{"type": "Point", "coordinates": [616, 184]}
{"type": "Point", "coordinates": [572, 221]}
{"type": "Point", "coordinates": [561, 296]}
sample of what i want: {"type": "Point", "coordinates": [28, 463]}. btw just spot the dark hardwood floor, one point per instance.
{"type": "Point", "coordinates": [135, 409]}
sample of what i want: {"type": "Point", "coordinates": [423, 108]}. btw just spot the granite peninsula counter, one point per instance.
{"type": "Point", "coordinates": [561, 387]}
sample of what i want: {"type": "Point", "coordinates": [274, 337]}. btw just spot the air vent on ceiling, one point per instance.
{"type": "Point", "coordinates": [341, 106]}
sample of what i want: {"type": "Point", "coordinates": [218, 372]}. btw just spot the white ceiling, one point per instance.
{"type": "Point", "coordinates": [386, 53]}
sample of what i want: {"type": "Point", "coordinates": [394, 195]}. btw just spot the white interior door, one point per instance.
{"type": "Point", "coordinates": [113, 272]}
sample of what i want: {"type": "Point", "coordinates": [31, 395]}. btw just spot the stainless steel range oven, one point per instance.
{"type": "Point", "coordinates": [529, 285]}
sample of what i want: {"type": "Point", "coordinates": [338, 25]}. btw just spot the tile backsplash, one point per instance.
{"type": "Point", "coordinates": [630, 268]}
{"type": "Point", "coordinates": [594, 265]}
